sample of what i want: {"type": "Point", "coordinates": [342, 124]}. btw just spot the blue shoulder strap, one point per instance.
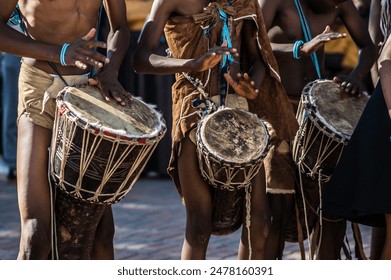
{"type": "Point", "coordinates": [307, 36]}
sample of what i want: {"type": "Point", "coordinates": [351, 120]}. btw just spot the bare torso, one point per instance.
{"type": "Point", "coordinates": [58, 22]}
{"type": "Point", "coordinates": [287, 29]}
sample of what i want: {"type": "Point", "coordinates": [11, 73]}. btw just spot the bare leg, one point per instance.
{"type": "Point", "coordinates": [260, 221]}
{"type": "Point", "coordinates": [33, 190]}
{"type": "Point", "coordinates": [333, 233]}
{"type": "Point", "coordinates": [377, 242]}
{"type": "Point", "coordinates": [386, 253]}
{"type": "Point", "coordinates": [103, 244]}
{"type": "Point", "coordinates": [198, 203]}
{"type": "Point", "coordinates": [282, 207]}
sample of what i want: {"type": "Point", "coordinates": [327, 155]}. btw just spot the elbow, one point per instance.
{"type": "Point", "coordinates": [138, 64]}
{"type": "Point", "coordinates": [141, 63]}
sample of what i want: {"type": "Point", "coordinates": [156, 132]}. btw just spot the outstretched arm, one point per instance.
{"type": "Point", "coordinates": [147, 61]}
{"type": "Point", "coordinates": [270, 10]}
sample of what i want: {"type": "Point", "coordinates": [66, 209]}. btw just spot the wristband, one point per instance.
{"type": "Point", "coordinates": [296, 48]}
{"type": "Point", "coordinates": [63, 52]}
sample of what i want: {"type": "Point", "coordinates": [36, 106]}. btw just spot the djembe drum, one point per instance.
{"type": "Point", "coordinates": [327, 119]}
{"type": "Point", "coordinates": [98, 151]}
{"type": "Point", "coordinates": [231, 146]}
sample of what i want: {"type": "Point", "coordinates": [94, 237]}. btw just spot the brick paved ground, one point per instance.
{"type": "Point", "coordinates": [149, 225]}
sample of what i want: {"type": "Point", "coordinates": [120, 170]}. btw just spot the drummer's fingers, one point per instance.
{"type": "Point", "coordinates": [106, 94]}
{"type": "Point", "coordinates": [94, 55]}
{"type": "Point", "coordinates": [83, 61]}
{"type": "Point", "coordinates": [337, 80]}
{"type": "Point", "coordinates": [90, 35]}
{"type": "Point", "coordinates": [232, 83]}
{"type": "Point", "coordinates": [124, 94]}
{"type": "Point", "coordinates": [117, 96]}
{"type": "Point", "coordinates": [92, 58]}
{"type": "Point", "coordinates": [92, 44]}
{"type": "Point", "coordinates": [356, 90]}
{"type": "Point", "coordinates": [80, 65]}
{"type": "Point", "coordinates": [95, 82]}
{"type": "Point", "coordinates": [129, 96]}
{"type": "Point", "coordinates": [246, 76]}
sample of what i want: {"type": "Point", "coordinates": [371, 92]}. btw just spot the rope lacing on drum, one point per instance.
{"type": "Point", "coordinates": [87, 152]}
{"type": "Point", "coordinates": [305, 215]}
{"type": "Point", "coordinates": [86, 156]}
{"type": "Point", "coordinates": [248, 190]}
{"type": "Point", "coordinates": [53, 225]}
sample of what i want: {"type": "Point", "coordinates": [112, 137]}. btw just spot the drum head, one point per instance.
{"type": "Point", "coordinates": [134, 120]}
{"type": "Point", "coordinates": [333, 111]}
{"type": "Point", "coordinates": [234, 136]}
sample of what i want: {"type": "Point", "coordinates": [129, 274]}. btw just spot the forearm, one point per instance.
{"type": "Point", "coordinates": [282, 48]}
{"type": "Point", "coordinates": [258, 73]}
{"type": "Point", "coordinates": [366, 59]}
{"type": "Point", "coordinates": [18, 44]}
{"type": "Point", "coordinates": [147, 63]}
{"type": "Point", "coordinates": [117, 46]}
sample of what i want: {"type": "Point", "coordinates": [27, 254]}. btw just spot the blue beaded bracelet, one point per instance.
{"type": "Point", "coordinates": [63, 52]}
{"type": "Point", "coordinates": [296, 48]}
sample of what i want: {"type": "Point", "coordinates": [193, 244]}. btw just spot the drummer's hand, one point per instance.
{"type": "Point", "coordinates": [110, 87]}
{"type": "Point", "coordinates": [81, 53]}
{"type": "Point", "coordinates": [318, 41]}
{"type": "Point", "coordinates": [244, 87]}
{"type": "Point", "coordinates": [211, 58]}
{"type": "Point", "coordinates": [349, 84]}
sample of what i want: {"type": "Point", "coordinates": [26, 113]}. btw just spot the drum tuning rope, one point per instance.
{"type": "Point", "coordinates": [53, 231]}
{"type": "Point", "coordinates": [248, 190]}
{"type": "Point", "coordinates": [305, 216]}
{"type": "Point", "coordinates": [320, 211]}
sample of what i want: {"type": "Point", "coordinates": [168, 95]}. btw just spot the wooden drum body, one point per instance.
{"type": "Point", "coordinates": [327, 119]}
{"type": "Point", "coordinates": [98, 151]}
{"type": "Point", "coordinates": [231, 146]}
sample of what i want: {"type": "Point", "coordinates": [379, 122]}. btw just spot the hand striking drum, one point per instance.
{"type": "Point", "coordinates": [327, 118]}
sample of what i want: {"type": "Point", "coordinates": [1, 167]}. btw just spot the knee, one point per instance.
{"type": "Point", "coordinates": [35, 240]}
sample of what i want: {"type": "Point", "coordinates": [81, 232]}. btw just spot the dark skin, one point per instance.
{"type": "Point", "coordinates": [284, 28]}
{"type": "Point", "coordinates": [283, 22]}
{"type": "Point", "coordinates": [44, 21]}
{"type": "Point", "coordinates": [196, 192]}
